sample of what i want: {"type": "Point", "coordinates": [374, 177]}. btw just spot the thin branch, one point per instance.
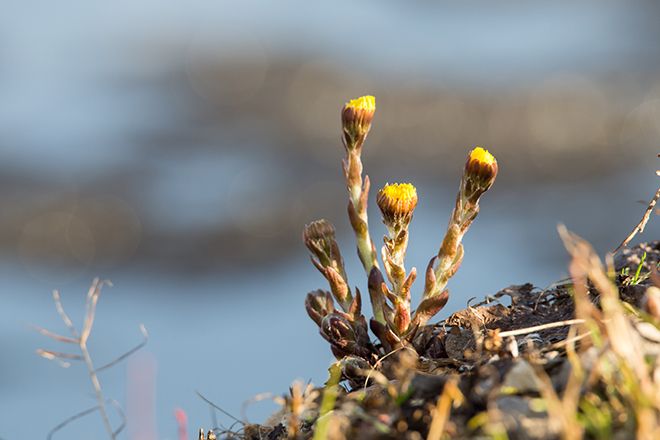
{"type": "Point", "coordinates": [97, 387]}
{"type": "Point", "coordinates": [639, 228]}
{"type": "Point", "coordinates": [120, 411]}
{"type": "Point", "coordinates": [71, 419]}
{"type": "Point", "coordinates": [92, 300]}
{"type": "Point", "coordinates": [51, 355]}
{"type": "Point", "coordinates": [218, 408]}
{"type": "Point", "coordinates": [114, 362]}
{"type": "Point", "coordinates": [87, 412]}
{"type": "Point", "coordinates": [524, 331]}
{"type": "Point", "coordinates": [65, 318]}
{"type": "Point", "coordinates": [55, 336]}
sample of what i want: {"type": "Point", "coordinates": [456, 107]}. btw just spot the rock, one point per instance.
{"type": "Point", "coordinates": [521, 379]}
{"type": "Point", "coordinates": [522, 422]}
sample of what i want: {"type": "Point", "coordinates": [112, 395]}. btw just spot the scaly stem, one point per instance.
{"type": "Point", "coordinates": [358, 191]}
{"type": "Point", "coordinates": [394, 252]}
{"type": "Point", "coordinates": [450, 254]}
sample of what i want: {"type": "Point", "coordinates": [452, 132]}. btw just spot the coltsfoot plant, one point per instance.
{"type": "Point", "coordinates": [338, 312]}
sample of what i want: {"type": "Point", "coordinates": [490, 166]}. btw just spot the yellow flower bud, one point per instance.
{"type": "Point", "coordinates": [356, 117]}
{"type": "Point", "coordinates": [482, 155]}
{"type": "Point", "coordinates": [480, 171]}
{"type": "Point", "coordinates": [397, 202]}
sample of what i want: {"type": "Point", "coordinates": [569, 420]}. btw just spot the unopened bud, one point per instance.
{"type": "Point", "coordinates": [318, 305]}
{"type": "Point", "coordinates": [319, 237]}
{"type": "Point", "coordinates": [397, 202]}
{"type": "Point", "coordinates": [354, 367]}
{"type": "Point", "coordinates": [338, 331]}
{"type": "Point", "coordinates": [356, 117]}
{"type": "Point", "coordinates": [480, 172]}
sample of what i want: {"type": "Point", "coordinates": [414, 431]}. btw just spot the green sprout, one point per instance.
{"type": "Point", "coordinates": [638, 277]}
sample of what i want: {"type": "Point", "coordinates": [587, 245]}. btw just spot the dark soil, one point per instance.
{"type": "Point", "coordinates": [398, 399]}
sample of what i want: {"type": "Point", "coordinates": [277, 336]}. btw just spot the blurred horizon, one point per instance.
{"type": "Point", "coordinates": [178, 148]}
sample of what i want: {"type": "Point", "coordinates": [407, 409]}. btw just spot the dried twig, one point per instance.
{"type": "Point", "coordinates": [92, 300]}
{"type": "Point", "coordinates": [524, 331]}
{"type": "Point", "coordinates": [55, 336]}
{"type": "Point", "coordinates": [639, 228]}
{"type": "Point", "coordinates": [118, 359]}
{"type": "Point", "coordinates": [87, 412]}
{"type": "Point", "coordinates": [201, 396]}
{"type": "Point", "coordinates": [81, 338]}
{"type": "Point", "coordinates": [50, 355]}
{"type": "Point", "coordinates": [65, 318]}
{"type": "Point", "coordinates": [450, 395]}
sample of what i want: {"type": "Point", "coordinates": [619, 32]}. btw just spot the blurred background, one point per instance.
{"type": "Point", "coordinates": [178, 147]}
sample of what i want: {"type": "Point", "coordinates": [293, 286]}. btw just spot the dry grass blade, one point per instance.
{"type": "Point", "coordinates": [120, 411]}
{"type": "Point", "coordinates": [583, 259]}
{"type": "Point", "coordinates": [622, 335]}
{"type": "Point", "coordinates": [441, 412]}
{"type": "Point", "coordinates": [524, 331]}
{"type": "Point", "coordinates": [92, 300]}
{"type": "Point", "coordinates": [632, 383]}
{"type": "Point", "coordinates": [145, 336]}
{"type": "Point", "coordinates": [639, 228]}
{"type": "Point", "coordinates": [55, 336]}
{"type": "Point", "coordinates": [559, 410]}
{"type": "Point", "coordinates": [71, 419]}
{"type": "Point", "coordinates": [88, 411]}
{"type": "Point", "coordinates": [563, 409]}
{"type": "Point", "coordinates": [65, 318]}
{"type": "Point", "coordinates": [201, 396]}
{"type": "Point", "coordinates": [51, 355]}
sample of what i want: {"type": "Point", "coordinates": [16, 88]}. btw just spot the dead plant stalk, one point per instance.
{"type": "Point", "coordinates": [80, 339]}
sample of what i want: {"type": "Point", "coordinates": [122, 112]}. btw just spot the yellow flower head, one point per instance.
{"type": "Point", "coordinates": [397, 201]}
{"type": "Point", "coordinates": [356, 117]}
{"type": "Point", "coordinates": [483, 156]}
{"type": "Point", "coordinates": [480, 172]}
{"type": "Point", "coordinates": [363, 103]}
